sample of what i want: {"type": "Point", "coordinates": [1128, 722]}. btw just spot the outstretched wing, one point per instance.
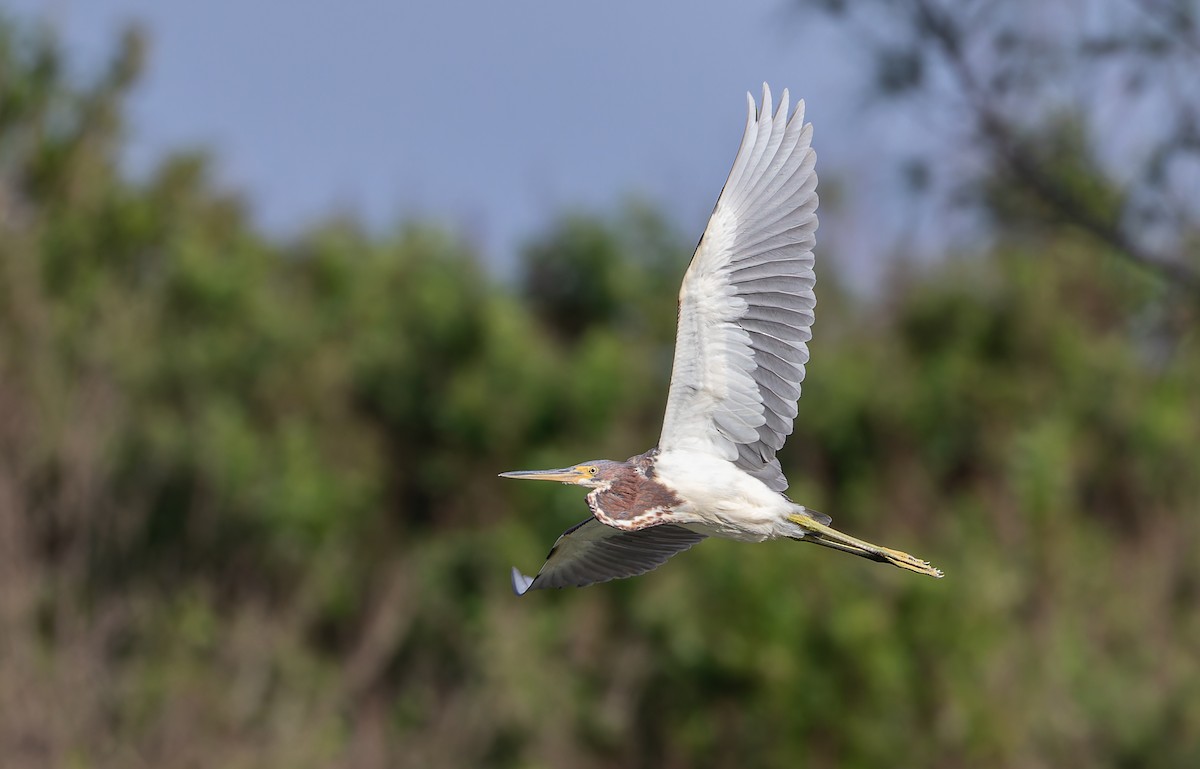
{"type": "Point", "coordinates": [591, 552]}
{"type": "Point", "coordinates": [746, 305]}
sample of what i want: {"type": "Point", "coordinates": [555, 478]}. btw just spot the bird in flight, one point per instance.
{"type": "Point", "coordinates": [745, 318]}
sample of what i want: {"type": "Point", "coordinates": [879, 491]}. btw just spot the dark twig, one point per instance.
{"type": "Point", "coordinates": [1002, 139]}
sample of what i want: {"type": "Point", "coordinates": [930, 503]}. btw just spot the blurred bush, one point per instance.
{"type": "Point", "coordinates": [249, 513]}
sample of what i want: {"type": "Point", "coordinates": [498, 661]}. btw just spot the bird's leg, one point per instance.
{"type": "Point", "coordinates": [830, 537]}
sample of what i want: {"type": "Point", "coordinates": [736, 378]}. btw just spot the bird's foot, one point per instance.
{"type": "Point", "coordinates": [828, 536]}
{"type": "Point", "coordinates": [909, 562]}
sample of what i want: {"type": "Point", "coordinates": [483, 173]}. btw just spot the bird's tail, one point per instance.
{"type": "Point", "coordinates": [817, 530]}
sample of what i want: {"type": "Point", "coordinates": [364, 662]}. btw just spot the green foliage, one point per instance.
{"type": "Point", "coordinates": [249, 513]}
{"type": "Point", "coordinates": [586, 273]}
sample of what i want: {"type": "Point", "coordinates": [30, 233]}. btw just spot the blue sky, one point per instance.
{"type": "Point", "coordinates": [490, 116]}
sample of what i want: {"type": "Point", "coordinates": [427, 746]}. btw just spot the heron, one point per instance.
{"type": "Point", "coordinates": [745, 316]}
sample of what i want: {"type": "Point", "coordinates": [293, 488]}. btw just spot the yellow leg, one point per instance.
{"type": "Point", "coordinates": [830, 537]}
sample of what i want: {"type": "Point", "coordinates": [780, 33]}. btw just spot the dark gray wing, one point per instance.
{"type": "Point", "coordinates": [746, 304]}
{"type": "Point", "coordinates": [591, 552]}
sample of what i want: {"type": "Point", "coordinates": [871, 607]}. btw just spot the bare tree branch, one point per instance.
{"type": "Point", "coordinates": [1003, 140]}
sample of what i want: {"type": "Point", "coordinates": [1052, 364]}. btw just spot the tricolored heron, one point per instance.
{"type": "Point", "coordinates": [745, 314]}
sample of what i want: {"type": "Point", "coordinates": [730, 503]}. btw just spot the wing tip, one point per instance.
{"type": "Point", "coordinates": [520, 582]}
{"type": "Point", "coordinates": [784, 102]}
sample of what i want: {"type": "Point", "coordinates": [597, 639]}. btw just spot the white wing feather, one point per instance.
{"type": "Point", "coordinates": [746, 304]}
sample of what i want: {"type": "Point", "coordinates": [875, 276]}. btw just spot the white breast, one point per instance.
{"type": "Point", "coordinates": [720, 499]}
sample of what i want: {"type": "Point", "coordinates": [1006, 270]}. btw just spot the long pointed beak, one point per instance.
{"type": "Point", "coordinates": [563, 475]}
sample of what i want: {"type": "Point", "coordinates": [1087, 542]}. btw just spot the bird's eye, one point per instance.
{"type": "Point", "coordinates": [592, 471]}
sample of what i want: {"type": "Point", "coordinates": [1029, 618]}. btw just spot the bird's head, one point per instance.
{"type": "Point", "coordinates": [593, 473]}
